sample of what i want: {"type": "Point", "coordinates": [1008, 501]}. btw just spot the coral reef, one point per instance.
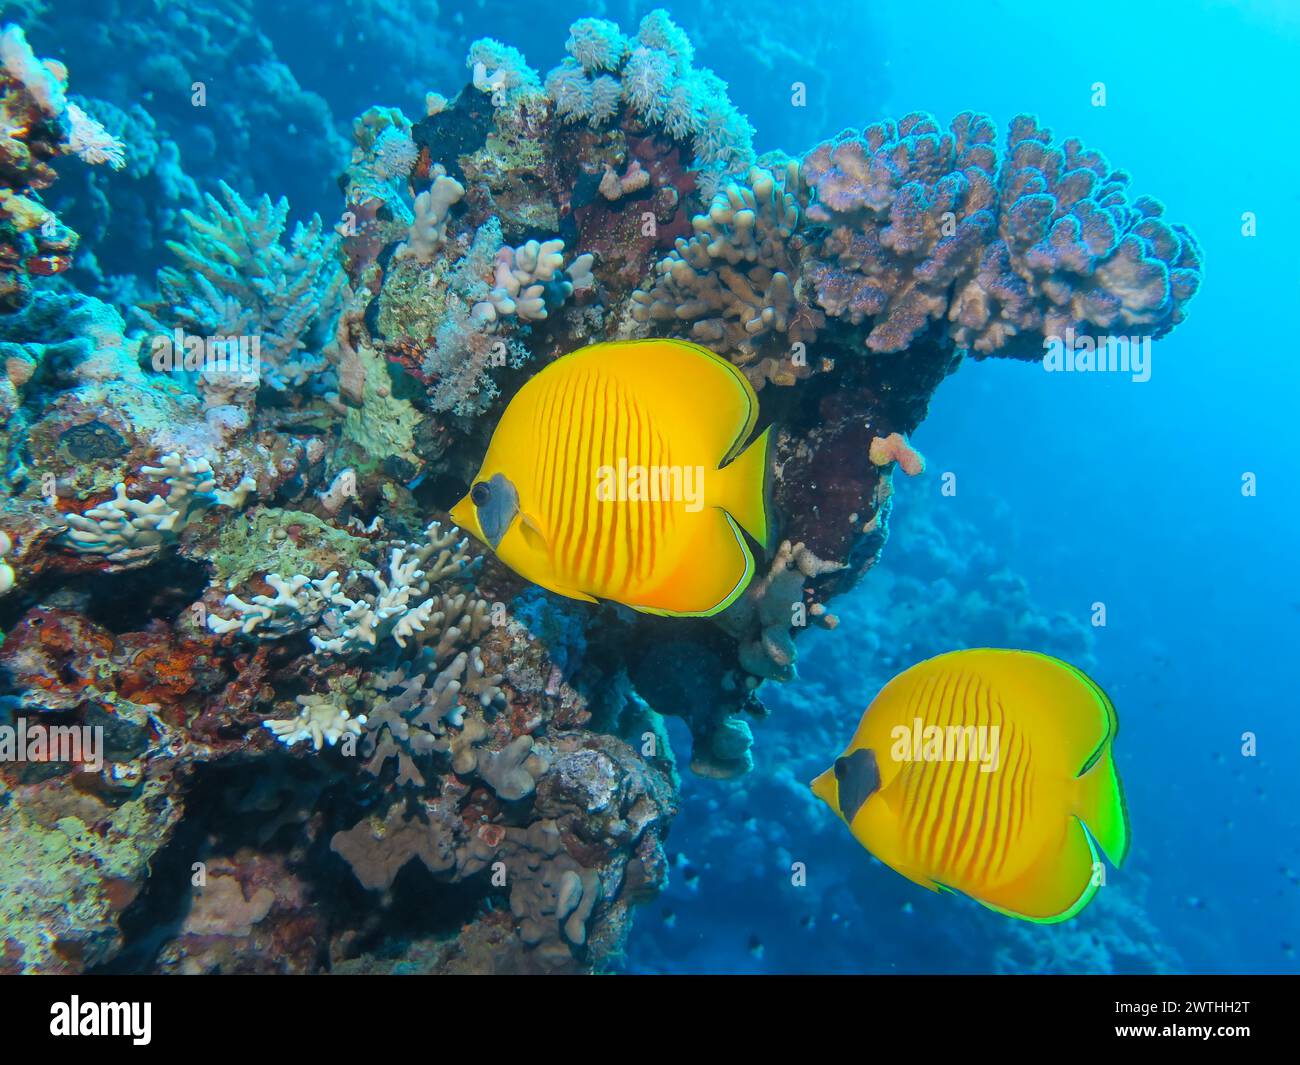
{"type": "Point", "coordinates": [238, 280]}
{"type": "Point", "coordinates": [224, 540]}
{"type": "Point", "coordinates": [39, 124]}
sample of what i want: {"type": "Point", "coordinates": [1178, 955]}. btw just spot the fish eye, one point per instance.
{"type": "Point", "coordinates": [479, 493]}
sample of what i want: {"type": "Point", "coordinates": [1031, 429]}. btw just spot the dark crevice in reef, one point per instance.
{"type": "Point", "coordinates": [120, 602]}
{"type": "Point", "coordinates": [236, 810]}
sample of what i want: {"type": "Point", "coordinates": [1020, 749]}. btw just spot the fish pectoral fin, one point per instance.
{"type": "Point", "coordinates": [918, 878]}
{"type": "Point", "coordinates": [568, 593]}
{"type": "Point", "coordinates": [535, 535]}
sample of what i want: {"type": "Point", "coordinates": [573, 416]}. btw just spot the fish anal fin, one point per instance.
{"type": "Point", "coordinates": [1055, 887]}
{"type": "Point", "coordinates": [714, 569]}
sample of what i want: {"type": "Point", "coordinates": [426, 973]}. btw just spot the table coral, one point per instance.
{"type": "Point", "coordinates": [925, 225]}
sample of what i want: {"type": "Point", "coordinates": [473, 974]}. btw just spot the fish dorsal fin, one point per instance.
{"type": "Point", "coordinates": [700, 387]}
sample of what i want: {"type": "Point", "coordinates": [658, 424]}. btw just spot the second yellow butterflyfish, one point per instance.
{"type": "Point", "coordinates": [990, 773]}
{"type": "Point", "coordinates": [621, 472]}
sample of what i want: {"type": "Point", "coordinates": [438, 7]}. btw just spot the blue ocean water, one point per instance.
{"type": "Point", "coordinates": [1092, 489]}
{"type": "Point", "coordinates": [1144, 530]}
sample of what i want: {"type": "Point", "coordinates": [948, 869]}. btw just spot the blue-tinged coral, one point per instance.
{"type": "Point", "coordinates": [924, 226]}
{"type": "Point", "coordinates": [240, 278]}
{"type": "Point", "coordinates": [652, 74]}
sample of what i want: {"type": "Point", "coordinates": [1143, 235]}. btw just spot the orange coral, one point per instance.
{"type": "Point", "coordinates": [895, 448]}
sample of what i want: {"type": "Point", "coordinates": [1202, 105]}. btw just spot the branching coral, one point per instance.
{"type": "Point", "coordinates": [418, 598]}
{"type": "Point", "coordinates": [923, 226]}
{"type": "Point", "coordinates": [413, 723]}
{"type": "Point", "coordinates": [429, 230]}
{"type": "Point", "coordinates": [238, 278]}
{"type": "Point", "coordinates": [733, 284]}
{"type": "Point", "coordinates": [131, 532]}
{"type": "Point", "coordinates": [532, 278]}
{"type": "Point", "coordinates": [774, 604]}
{"type": "Point", "coordinates": [321, 719]}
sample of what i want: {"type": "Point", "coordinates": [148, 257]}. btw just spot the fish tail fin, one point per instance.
{"type": "Point", "coordinates": [745, 486]}
{"type": "Point", "coordinates": [1100, 805]}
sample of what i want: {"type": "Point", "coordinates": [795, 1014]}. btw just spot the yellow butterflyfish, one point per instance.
{"type": "Point", "coordinates": [990, 773]}
{"type": "Point", "coordinates": [621, 471]}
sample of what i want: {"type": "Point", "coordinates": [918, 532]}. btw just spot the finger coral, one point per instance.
{"type": "Point", "coordinates": [130, 532]}
{"type": "Point", "coordinates": [732, 286]}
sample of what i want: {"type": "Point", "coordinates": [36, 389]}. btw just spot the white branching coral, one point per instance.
{"type": "Point", "coordinates": [296, 605]}
{"type": "Point", "coordinates": [322, 719]}
{"type": "Point", "coordinates": [131, 532]}
{"type": "Point", "coordinates": [531, 278]}
{"type": "Point", "coordinates": [429, 230]}
{"type": "Point", "coordinates": [415, 599]}
{"type": "Point", "coordinates": [238, 278]}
